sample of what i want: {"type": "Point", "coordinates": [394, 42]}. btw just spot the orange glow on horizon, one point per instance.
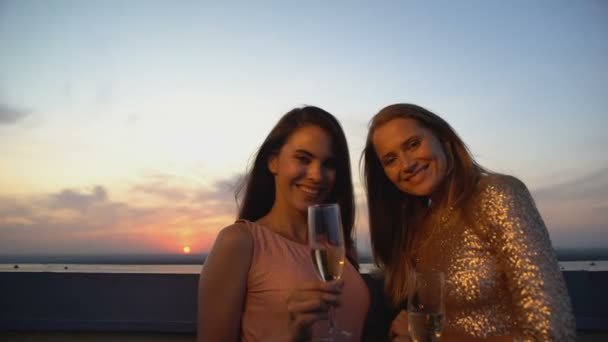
{"type": "Point", "coordinates": [186, 249]}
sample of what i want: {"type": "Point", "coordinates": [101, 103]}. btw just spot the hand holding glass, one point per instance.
{"type": "Point", "coordinates": [425, 306]}
{"type": "Point", "coordinates": [326, 246]}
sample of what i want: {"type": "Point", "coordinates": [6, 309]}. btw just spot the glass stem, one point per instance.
{"type": "Point", "coordinates": [331, 326]}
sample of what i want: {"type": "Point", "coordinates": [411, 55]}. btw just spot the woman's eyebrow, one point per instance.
{"type": "Point", "coordinates": [302, 151]}
{"type": "Point", "coordinates": [404, 143]}
{"type": "Point", "coordinates": [312, 155]}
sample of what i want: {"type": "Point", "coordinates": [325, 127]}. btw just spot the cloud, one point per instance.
{"type": "Point", "coordinates": [157, 215]}
{"type": "Point", "coordinates": [132, 120]}
{"type": "Point", "coordinates": [222, 190]}
{"type": "Point", "coordinates": [593, 186]}
{"type": "Point", "coordinates": [68, 210]}
{"type": "Point", "coordinates": [592, 236]}
{"type": "Point", "coordinates": [601, 209]}
{"type": "Point", "coordinates": [162, 190]}
{"type": "Point", "coordinates": [75, 200]}
{"type": "Point", "coordinates": [576, 211]}
{"type": "Point", "coordinates": [161, 212]}
{"type": "Point", "coordinates": [10, 115]}
{"type": "Point", "coordinates": [169, 188]}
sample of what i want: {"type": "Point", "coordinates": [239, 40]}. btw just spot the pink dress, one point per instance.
{"type": "Point", "coordinates": [279, 265]}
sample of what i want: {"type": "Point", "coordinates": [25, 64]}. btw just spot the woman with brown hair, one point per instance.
{"type": "Point", "coordinates": [433, 208]}
{"type": "Point", "coordinates": [258, 283]}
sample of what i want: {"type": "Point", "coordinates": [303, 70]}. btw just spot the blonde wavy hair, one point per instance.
{"type": "Point", "coordinates": [394, 216]}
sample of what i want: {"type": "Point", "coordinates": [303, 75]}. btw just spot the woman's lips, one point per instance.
{"type": "Point", "coordinates": [418, 172]}
{"type": "Point", "coordinates": [311, 192]}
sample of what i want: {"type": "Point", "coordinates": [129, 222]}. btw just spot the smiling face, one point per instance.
{"type": "Point", "coordinates": [412, 157]}
{"type": "Point", "coordinates": [304, 169]}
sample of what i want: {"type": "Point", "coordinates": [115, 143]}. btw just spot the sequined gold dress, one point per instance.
{"type": "Point", "coordinates": [502, 276]}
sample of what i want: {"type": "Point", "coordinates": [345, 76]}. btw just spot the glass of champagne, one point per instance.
{"type": "Point", "coordinates": [425, 307]}
{"type": "Point", "coordinates": [326, 242]}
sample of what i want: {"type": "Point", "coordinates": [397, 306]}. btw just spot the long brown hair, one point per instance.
{"type": "Point", "coordinates": [395, 217]}
{"type": "Point", "coordinates": [257, 189]}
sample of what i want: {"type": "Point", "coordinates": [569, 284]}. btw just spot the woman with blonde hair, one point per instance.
{"type": "Point", "coordinates": [432, 207]}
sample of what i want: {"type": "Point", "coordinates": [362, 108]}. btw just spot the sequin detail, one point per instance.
{"type": "Point", "coordinates": [502, 276]}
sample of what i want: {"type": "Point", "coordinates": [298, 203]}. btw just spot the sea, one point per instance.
{"type": "Point", "coordinates": [591, 266]}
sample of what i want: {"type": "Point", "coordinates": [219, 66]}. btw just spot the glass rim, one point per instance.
{"type": "Point", "coordinates": [323, 205]}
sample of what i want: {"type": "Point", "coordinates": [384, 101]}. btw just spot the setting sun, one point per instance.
{"type": "Point", "coordinates": [186, 249]}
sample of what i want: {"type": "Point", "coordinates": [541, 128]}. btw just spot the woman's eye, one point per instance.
{"type": "Point", "coordinates": [388, 161]}
{"type": "Point", "coordinates": [415, 143]}
{"type": "Point", "coordinates": [303, 160]}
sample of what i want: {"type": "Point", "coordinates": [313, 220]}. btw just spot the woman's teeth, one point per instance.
{"type": "Point", "coordinates": [420, 170]}
{"type": "Point", "coordinates": [310, 191]}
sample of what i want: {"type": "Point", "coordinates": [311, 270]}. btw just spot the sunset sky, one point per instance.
{"type": "Point", "coordinates": [125, 125]}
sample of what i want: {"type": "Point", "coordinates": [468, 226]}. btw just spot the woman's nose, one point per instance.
{"type": "Point", "coordinates": [408, 165]}
{"type": "Point", "coordinates": [314, 172]}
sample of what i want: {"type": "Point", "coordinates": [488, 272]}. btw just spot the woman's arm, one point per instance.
{"type": "Point", "coordinates": [521, 242]}
{"type": "Point", "coordinates": [223, 285]}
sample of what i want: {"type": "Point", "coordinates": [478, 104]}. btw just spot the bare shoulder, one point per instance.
{"type": "Point", "coordinates": [233, 245]}
{"type": "Point", "coordinates": [221, 292]}
{"type": "Point", "coordinates": [236, 236]}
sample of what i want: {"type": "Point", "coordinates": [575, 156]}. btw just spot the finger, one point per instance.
{"type": "Point", "coordinates": [333, 286]}
{"type": "Point", "coordinates": [310, 305]}
{"type": "Point", "coordinates": [301, 325]}
{"type": "Point", "coordinates": [304, 320]}
{"type": "Point", "coordinates": [339, 283]}
{"type": "Point", "coordinates": [399, 329]}
{"type": "Point", "coordinates": [321, 298]}
{"type": "Point", "coordinates": [402, 314]}
{"type": "Point", "coordinates": [302, 295]}
{"type": "Point", "coordinates": [402, 318]}
{"type": "Point", "coordinates": [399, 326]}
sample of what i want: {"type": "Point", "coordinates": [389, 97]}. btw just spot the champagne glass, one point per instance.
{"type": "Point", "coordinates": [326, 242]}
{"type": "Point", "coordinates": [425, 307]}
